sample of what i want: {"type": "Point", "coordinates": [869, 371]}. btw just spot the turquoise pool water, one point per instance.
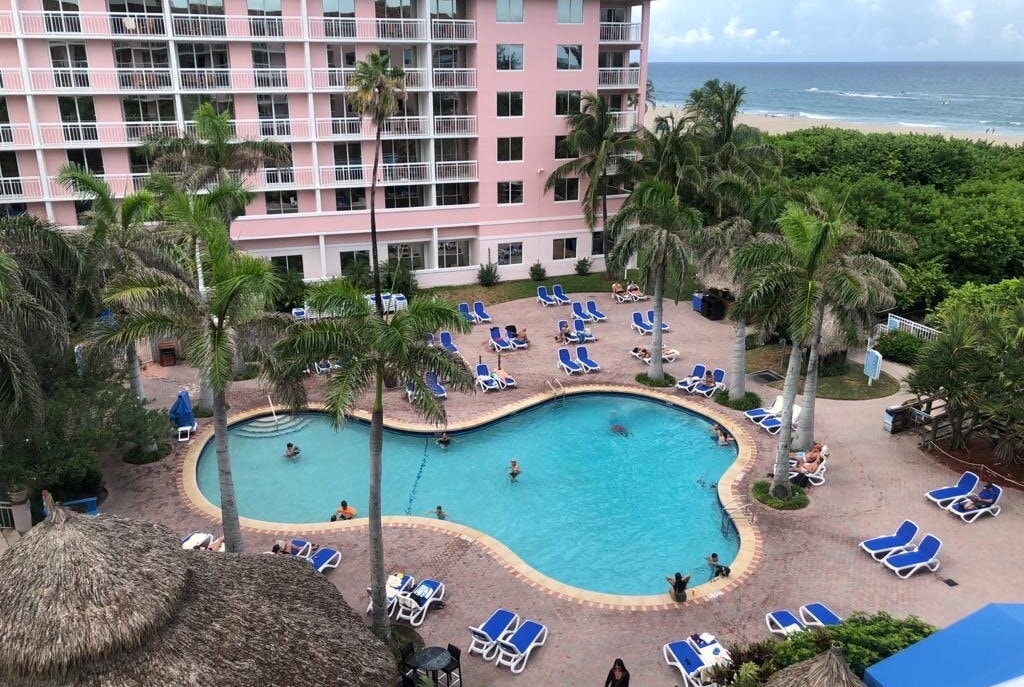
{"type": "Point", "coordinates": [591, 509]}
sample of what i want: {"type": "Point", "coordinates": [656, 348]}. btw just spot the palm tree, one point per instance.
{"type": "Point", "coordinates": [207, 155]}
{"type": "Point", "coordinates": [671, 153]}
{"type": "Point", "coordinates": [239, 287]}
{"type": "Point", "coordinates": [377, 91]}
{"type": "Point", "coordinates": [372, 348]}
{"type": "Point", "coordinates": [116, 240]}
{"type": "Point", "coordinates": [656, 229]}
{"type": "Point", "coordinates": [598, 145]}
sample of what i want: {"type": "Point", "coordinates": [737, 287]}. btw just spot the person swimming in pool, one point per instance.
{"type": "Point", "coordinates": [443, 440]}
{"type": "Point", "coordinates": [514, 471]}
{"type": "Point", "coordinates": [620, 430]}
{"type": "Point", "coordinates": [291, 451]}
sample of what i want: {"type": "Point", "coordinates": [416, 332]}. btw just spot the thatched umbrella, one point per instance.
{"type": "Point", "coordinates": [828, 669]}
{"type": "Point", "coordinates": [113, 602]}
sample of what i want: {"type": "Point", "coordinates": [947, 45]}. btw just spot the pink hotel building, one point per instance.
{"type": "Point", "coordinates": [463, 165]}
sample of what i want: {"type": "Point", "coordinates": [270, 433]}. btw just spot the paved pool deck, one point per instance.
{"type": "Point", "coordinates": [874, 481]}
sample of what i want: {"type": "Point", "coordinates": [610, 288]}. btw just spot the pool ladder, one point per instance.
{"type": "Point", "coordinates": [558, 393]}
{"type": "Point", "coordinates": [737, 508]}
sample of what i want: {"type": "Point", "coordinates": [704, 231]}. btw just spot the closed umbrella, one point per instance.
{"type": "Point", "coordinates": [181, 411]}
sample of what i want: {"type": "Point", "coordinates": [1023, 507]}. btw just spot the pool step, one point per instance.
{"type": "Point", "coordinates": [265, 427]}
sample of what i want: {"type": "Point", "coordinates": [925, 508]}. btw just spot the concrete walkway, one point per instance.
{"type": "Point", "coordinates": [874, 481]}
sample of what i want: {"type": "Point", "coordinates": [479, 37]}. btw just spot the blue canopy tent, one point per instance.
{"type": "Point", "coordinates": [980, 650]}
{"type": "Point", "coordinates": [182, 417]}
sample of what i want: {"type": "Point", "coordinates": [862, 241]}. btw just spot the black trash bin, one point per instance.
{"type": "Point", "coordinates": [712, 307]}
{"type": "Point", "coordinates": [168, 354]}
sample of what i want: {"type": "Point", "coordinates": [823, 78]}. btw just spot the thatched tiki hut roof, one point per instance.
{"type": "Point", "coordinates": [112, 602]}
{"type": "Point", "coordinates": [828, 669]}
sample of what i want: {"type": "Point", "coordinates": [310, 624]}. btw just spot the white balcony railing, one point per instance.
{"type": "Point", "coordinates": [120, 185]}
{"type": "Point", "coordinates": [455, 125]}
{"type": "Point", "coordinates": [368, 29]}
{"type": "Point", "coordinates": [259, 79]}
{"type": "Point", "coordinates": [339, 127]}
{"type": "Point", "coordinates": [457, 30]}
{"type": "Point", "coordinates": [405, 127]}
{"type": "Point", "coordinates": [15, 135]}
{"type": "Point", "coordinates": [401, 29]}
{"type": "Point", "coordinates": [618, 77]}
{"type": "Point", "coordinates": [454, 79]}
{"type": "Point", "coordinates": [344, 175]}
{"type": "Point", "coordinates": [236, 26]}
{"type": "Point", "coordinates": [460, 170]}
{"type": "Point", "coordinates": [271, 178]}
{"type": "Point", "coordinates": [625, 120]}
{"type": "Point", "coordinates": [416, 79]}
{"type": "Point", "coordinates": [92, 24]}
{"type": "Point", "coordinates": [402, 172]}
{"type": "Point", "coordinates": [102, 79]}
{"type": "Point", "coordinates": [6, 24]}
{"type": "Point", "coordinates": [62, 133]}
{"type": "Point", "coordinates": [331, 78]}
{"type": "Point", "coordinates": [20, 188]}
{"type": "Point", "coordinates": [620, 32]}
{"type": "Point", "coordinates": [10, 80]}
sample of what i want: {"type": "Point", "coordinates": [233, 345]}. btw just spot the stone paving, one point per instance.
{"type": "Point", "coordinates": [874, 481]}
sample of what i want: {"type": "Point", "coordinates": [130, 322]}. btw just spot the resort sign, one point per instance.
{"type": "Point", "coordinates": [872, 364]}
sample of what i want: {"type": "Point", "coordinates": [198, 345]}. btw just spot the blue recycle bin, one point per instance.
{"type": "Point", "coordinates": [697, 300]}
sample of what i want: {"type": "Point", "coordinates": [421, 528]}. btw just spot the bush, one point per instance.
{"type": "Point", "coordinates": [396, 276]}
{"type": "Point", "coordinates": [900, 347]}
{"type": "Point", "coordinates": [748, 401]}
{"type": "Point", "coordinates": [537, 272]}
{"type": "Point", "coordinates": [488, 275]}
{"type": "Point", "coordinates": [583, 266]}
{"type": "Point", "coordinates": [137, 456]}
{"type": "Point", "coordinates": [667, 381]}
{"type": "Point", "coordinates": [797, 498]}
{"type": "Point", "coordinates": [293, 291]}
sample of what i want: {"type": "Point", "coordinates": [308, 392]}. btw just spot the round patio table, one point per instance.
{"type": "Point", "coordinates": [432, 659]}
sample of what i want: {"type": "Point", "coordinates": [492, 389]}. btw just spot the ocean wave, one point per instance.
{"type": "Point", "coordinates": [858, 94]}
{"type": "Point", "coordinates": [811, 115]}
{"type": "Point", "coordinates": [919, 125]}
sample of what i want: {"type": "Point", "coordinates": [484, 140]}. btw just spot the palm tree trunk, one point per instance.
{"type": "Point", "coordinates": [381, 626]}
{"type": "Point", "coordinates": [738, 377]}
{"type": "Point", "coordinates": [238, 367]}
{"type": "Point", "coordinates": [657, 370]}
{"type": "Point", "coordinates": [204, 404]}
{"type": "Point", "coordinates": [374, 256]}
{"type": "Point", "coordinates": [780, 482]}
{"type": "Point", "coordinates": [604, 201]}
{"type": "Point", "coordinates": [805, 433]}
{"type": "Point", "coordinates": [135, 373]}
{"type": "Point", "coordinates": [228, 504]}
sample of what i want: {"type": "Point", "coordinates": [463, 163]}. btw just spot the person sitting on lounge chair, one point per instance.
{"type": "Point", "coordinates": [212, 546]}
{"type": "Point", "coordinates": [813, 453]}
{"type": "Point", "coordinates": [808, 465]}
{"type": "Point", "coordinates": [618, 290]}
{"type": "Point", "coordinates": [708, 379]}
{"type": "Point", "coordinates": [677, 587]}
{"type": "Point", "coordinates": [634, 289]}
{"type": "Point", "coordinates": [563, 333]}
{"type": "Point", "coordinates": [520, 336]}
{"type": "Point", "coordinates": [983, 499]}
{"type": "Point", "coordinates": [282, 546]}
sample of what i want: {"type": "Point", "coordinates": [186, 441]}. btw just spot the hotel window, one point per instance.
{"type": "Point", "coordinates": [567, 102]}
{"type": "Point", "coordinates": [446, 9]}
{"type": "Point", "coordinates": [597, 243]}
{"type": "Point", "coordinates": [90, 159]}
{"type": "Point", "coordinates": [265, 18]}
{"type": "Point", "coordinates": [570, 11]}
{"type": "Point", "coordinates": [197, 62]}
{"type": "Point", "coordinates": [6, 133]}
{"type": "Point", "coordinates": [510, 253]}
{"type": "Point", "coordinates": [349, 199]}
{"type": "Point", "coordinates": [273, 114]}
{"type": "Point", "coordinates": [403, 196]}
{"type": "Point", "coordinates": [510, 192]}
{"type": "Point", "coordinates": [510, 104]}
{"type": "Point", "coordinates": [412, 253]}
{"type": "Point", "coordinates": [510, 149]}
{"type": "Point", "coordinates": [563, 151]}
{"type": "Point", "coordinates": [198, 17]}
{"type": "Point", "coordinates": [339, 18]}
{"type": "Point", "coordinates": [569, 57]}
{"type": "Point", "coordinates": [70, 65]}
{"type": "Point", "coordinates": [138, 163]}
{"type": "Point", "coordinates": [567, 189]}
{"type": "Point", "coordinates": [613, 15]}
{"type": "Point", "coordinates": [510, 57]}
{"type": "Point", "coordinates": [147, 114]}
{"type": "Point", "coordinates": [62, 16]}
{"type": "Point", "coordinates": [451, 194]}
{"type": "Point", "coordinates": [190, 102]}
{"type": "Point", "coordinates": [281, 202]}
{"type": "Point", "coordinates": [509, 11]}
{"type": "Point", "coordinates": [395, 9]}
{"type": "Point", "coordinates": [350, 258]}
{"type": "Point", "coordinates": [78, 118]}
{"type": "Point", "coordinates": [453, 253]}
{"type": "Point", "coordinates": [287, 263]}
{"type": "Point", "coordinates": [269, 62]}
{"type": "Point", "coordinates": [563, 249]}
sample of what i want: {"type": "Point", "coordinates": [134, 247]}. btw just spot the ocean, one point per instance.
{"type": "Point", "coordinates": [952, 96]}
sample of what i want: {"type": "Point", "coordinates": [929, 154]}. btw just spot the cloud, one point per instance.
{"type": "Point", "coordinates": [775, 41]}
{"type": "Point", "coordinates": [963, 19]}
{"type": "Point", "coordinates": [733, 31]}
{"type": "Point", "coordinates": [1009, 34]}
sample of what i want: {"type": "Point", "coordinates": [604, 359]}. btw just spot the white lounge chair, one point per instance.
{"type": "Point", "coordinates": [413, 606]}
{"type": "Point", "coordinates": [325, 559]}
{"type": "Point", "coordinates": [640, 325]}
{"type": "Point", "coordinates": [900, 540]}
{"type": "Point", "coordinates": [566, 363]}
{"type": "Point", "coordinates": [959, 506]}
{"type": "Point", "coordinates": [818, 615]}
{"type": "Point", "coordinates": [773, 424]}
{"type": "Point", "coordinates": [944, 496]}
{"type": "Point", "coordinates": [782, 622]}
{"type": "Point", "coordinates": [922, 557]}
{"type": "Point", "coordinates": [514, 651]}
{"type": "Point", "coordinates": [758, 414]}
{"type": "Point", "coordinates": [584, 359]}
{"type": "Point", "coordinates": [697, 374]}
{"type": "Point", "coordinates": [500, 625]}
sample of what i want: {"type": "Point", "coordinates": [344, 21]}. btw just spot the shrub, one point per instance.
{"type": "Point", "coordinates": [667, 381]}
{"type": "Point", "coordinates": [900, 347]}
{"type": "Point", "coordinates": [537, 272]}
{"type": "Point", "coordinates": [293, 291]}
{"type": "Point", "coordinates": [797, 498]}
{"type": "Point", "coordinates": [583, 266]}
{"type": "Point", "coordinates": [396, 276]}
{"type": "Point", "coordinates": [488, 275]}
{"type": "Point", "coordinates": [748, 401]}
{"type": "Point", "coordinates": [137, 456]}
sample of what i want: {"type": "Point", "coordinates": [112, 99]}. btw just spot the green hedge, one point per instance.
{"type": "Point", "coordinates": [797, 498]}
{"type": "Point", "coordinates": [900, 347]}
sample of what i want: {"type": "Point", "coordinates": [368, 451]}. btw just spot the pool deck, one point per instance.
{"type": "Point", "coordinates": [874, 481]}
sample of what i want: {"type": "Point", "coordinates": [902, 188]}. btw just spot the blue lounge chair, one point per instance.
{"type": "Point", "coordinates": [514, 651]}
{"type": "Point", "coordinates": [773, 424]}
{"type": "Point", "coordinates": [697, 374]}
{"type": "Point", "coordinates": [481, 314]}
{"type": "Point", "coordinates": [325, 559]}
{"type": "Point", "coordinates": [543, 298]}
{"type": "Point", "coordinates": [498, 342]}
{"type": "Point", "coordinates": [758, 414]}
{"type": "Point", "coordinates": [559, 295]}
{"type": "Point", "coordinates": [925, 555]}
{"type": "Point", "coordinates": [782, 622]}
{"type": "Point", "coordinates": [413, 606]}
{"type": "Point", "coordinates": [484, 380]}
{"type": "Point", "coordinates": [819, 615]}
{"type": "Point", "coordinates": [579, 313]}
{"type": "Point", "coordinates": [959, 509]}
{"type": "Point", "coordinates": [583, 358]}
{"type": "Point", "coordinates": [639, 325]}
{"type": "Point", "coordinates": [504, 381]}
{"type": "Point", "coordinates": [683, 656]}
{"type": "Point", "coordinates": [566, 363]}
{"type": "Point", "coordinates": [500, 625]}
{"type": "Point", "coordinates": [594, 312]}
{"type": "Point", "coordinates": [582, 335]}
{"type": "Point", "coordinates": [447, 343]}
{"type": "Point", "coordinates": [395, 584]}
{"type": "Point", "coordinates": [709, 389]}
{"type": "Point", "coordinates": [322, 367]}
{"type": "Point", "coordinates": [518, 343]}
{"type": "Point", "coordinates": [571, 336]}
{"type": "Point", "coordinates": [880, 547]}
{"type": "Point", "coordinates": [464, 309]}
{"type": "Point", "coordinates": [944, 496]}
{"type": "Point", "coordinates": [430, 379]}
{"type": "Point", "coordinates": [650, 320]}
{"type": "Point", "coordinates": [301, 548]}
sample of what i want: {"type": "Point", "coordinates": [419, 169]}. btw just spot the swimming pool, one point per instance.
{"type": "Point", "coordinates": [591, 509]}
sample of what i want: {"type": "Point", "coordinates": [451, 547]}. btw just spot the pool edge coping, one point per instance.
{"type": "Point", "coordinates": [730, 491]}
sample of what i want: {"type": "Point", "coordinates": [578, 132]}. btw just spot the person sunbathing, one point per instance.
{"type": "Point", "coordinates": [809, 466]}
{"type": "Point", "coordinates": [618, 290]}
{"type": "Point", "coordinates": [214, 545]}
{"type": "Point", "coordinates": [983, 499]}
{"type": "Point", "coordinates": [520, 336]}
{"type": "Point", "coordinates": [564, 332]}
{"type": "Point", "coordinates": [634, 290]}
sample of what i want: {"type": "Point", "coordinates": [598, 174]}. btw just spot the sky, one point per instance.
{"type": "Point", "coordinates": [757, 30]}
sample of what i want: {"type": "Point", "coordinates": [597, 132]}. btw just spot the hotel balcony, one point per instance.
{"type": "Point", "coordinates": [456, 170]}
{"type": "Point", "coordinates": [620, 32]}
{"type": "Point", "coordinates": [258, 79]}
{"type": "Point", "coordinates": [625, 120]}
{"type": "Point", "coordinates": [91, 133]}
{"type": "Point", "coordinates": [10, 80]}
{"type": "Point", "coordinates": [21, 188]}
{"type": "Point", "coordinates": [91, 24]}
{"type": "Point", "coordinates": [16, 136]}
{"type": "Point", "coordinates": [334, 78]}
{"type": "Point", "coordinates": [405, 127]}
{"type": "Point", "coordinates": [404, 30]}
{"type": "Point", "coordinates": [6, 24]}
{"type": "Point", "coordinates": [454, 79]}
{"type": "Point", "coordinates": [279, 129]}
{"type": "Point", "coordinates": [84, 78]}
{"type": "Point", "coordinates": [339, 128]}
{"type": "Point", "coordinates": [237, 26]}
{"type": "Point", "coordinates": [455, 125]}
{"type": "Point", "coordinates": [283, 178]}
{"type": "Point", "coordinates": [404, 172]}
{"type": "Point", "coordinates": [340, 176]}
{"type": "Point", "coordinates": [618, 77]}
{"type": "Point", "coordinates": [120, 185]}
{"type": "Point", "coordinates": [453, 30]}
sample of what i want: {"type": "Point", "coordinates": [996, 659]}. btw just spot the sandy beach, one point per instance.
{"type": "Point", "coordinates": [782, 124]}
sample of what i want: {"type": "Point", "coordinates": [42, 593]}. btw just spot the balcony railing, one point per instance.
{"type": "Point", "coordinates": [61, 133]}
{"type": "Point", "coordinates": [10, 80]}
{"type": "Point", "coordinates": [123, 79]}
{"type": "Point", "coordinates": [455, 125]}
{"type": "Point", "coordinates": [401, 172]}
{"type": "Point", "coordinates": [91, 24]}
{"type": "Point", "coordinates": [20, 188]}
{"type": "Point", "coordinates": [405, 127]}
{"type": "Point", "coordinates": [6, 24]}
{"type": "Point", "coordinates": [120, 185]}
{"type": "Point", "coordinates": [208, 79]}
{"type": "Point", "coordinates": [15, 135]}
{"type": "Point", "coordinates": [344, 175]}
{"type": "Point", "coordinates": [236, 26]}
{"type": "Point", "coordinates": [368, 29]}
{"type": "Point", "coordinates": [618, 77]}
{"type": "Point", "coordinates": [401, 29]}
{"type": "Point", "coordinates": [461, 170]}
{"type": "Point", "coordinates": [144, 79]}
{"type": "Point", "coordinates": [271, 178]}
{"type": "Point", "coordinates": [339, 127]}
{"type": "Point", "coordinates": [416, 79]}
{"type": "Point", "coordinates": [332, 78]}
{"type": "Point", "coordinates": [457, 30]}
{"type": "Point", "coordinates": [454, 79]}
{"type": "Point", "coordinates": [123, 24]}
{"type": "Point", "coordinates": [620, 32]}
{"type": "Point", "coordinates": [262, 128]}
{"type": "Point", "coordinates": [625, 120]}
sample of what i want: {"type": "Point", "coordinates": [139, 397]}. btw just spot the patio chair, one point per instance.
{"type": "Point", "coordinates": [758, 414]}
{"type": "Point", "coordinates": [464, 309]}
{"type": "Point", "coordinates": [514, 651]}
{"type": "Point", "coordinates": [559, 295]}
{"type": "Point", "coordinates": [579, 313]}
{"type": "Point", "coordinates": [500, 625]}
{"type": "Point", "coordinates": [650, 320]}
{"type": "Point", "coordinates": [924, 556]}
{"type": "Point", "coordinates": [594, 312]}
{"type": "Point", "coordinates": [481, 314]}
{"type": "Point", "coordinates": [396, 584]}
{"type": "Point", "coordinates": [959, 507]}
{"type": "Point", "coordinates": [429, 338]}
{"type": "Point", "coordinates": [566, 363]}
{"type": "Point", "coordinates": [682, 656]}
{"type": "Point", "coordinates": [584, 359]}
{"type": "Point", "coordinates": [880, 547]}
{"type": "Point", "coordinates": [773, 424]}
{"type": "Point", "coordinates": [485, 380]}
{"type": "Point", "coordinates": [430, 379]}
{"type": "Point", "coordinates": [944, 496]}
{"type": "Point", "coordinates": [696, 374]}
{"type": "Point", "coordinates": [413, 606]}
{"type": "Point", "coordinates": [818, 614]}
{"type": "Point", "coordinates": [498, 342]}
{"type": "Point", "coordinates": [583, 335]}
{"type": "Point", "coordinates": [639, 325]}
{"type": "Point", "coordinates": [325, 559]}
{"type": "Point", "coordinates": [447, 343]}
{"type": "Point", "coordinates": [708, 390]}
{"type": "Point", "coordinates": [782, 622]}
{"type": "Point", "coordinates": [571, 335]}
{"type": "Point", "coordinates": [543, 298]}
{"type": "Point", "coordinates": [816, 478]}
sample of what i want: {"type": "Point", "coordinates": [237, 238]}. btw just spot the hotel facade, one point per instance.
{"type": "Point", "coordinates": [463, 165]}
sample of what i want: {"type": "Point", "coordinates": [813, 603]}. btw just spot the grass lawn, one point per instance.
{"type": "Point", "coordinates": [853, 386]}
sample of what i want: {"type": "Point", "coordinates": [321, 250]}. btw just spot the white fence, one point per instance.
{"type": "Point", "coordinates": [902, 324]}
{"type": "Point", "coordinates": [6, 516]}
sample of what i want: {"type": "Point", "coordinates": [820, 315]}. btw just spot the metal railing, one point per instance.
{"type": "Point", "coordinates": [897, 323]}
{"type": "Point", "coordinates": [6, 516]}
{"type": "Point", "coordinates": [618, 77]}
{"type": "Point", "coordinates": [404, 127]}
{"type": "Point", "coordinates": [455, 125]}
{"type": "Point", "coordinates": [461, 30]}
{"type": "Point", "coordinates": [459, 170]}
{"type": "Point", "coordinates": [10, 79]}
{"type": "Point", "coordinates": [625, 120]}
{"type": "Point", "coordinates": [339, 127]}
{"type": "Point", "coordinates": [21, 187]}
{"type": "Point", "coordinates": [455, 79]}
{"type": "Point", "coordinates": [620, 32]}
{"type": "Point", "coordinates": [16, 134]}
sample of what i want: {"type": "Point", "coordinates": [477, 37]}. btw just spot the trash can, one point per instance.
{"type": "Point", "coordinates": [896, 419]}
{"type": "Point", "coordinates": [168, 354]}
{"type": "Point", "coordinates": [712, 307]}
{"type": "Point", "coordinates": [696, 300]}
